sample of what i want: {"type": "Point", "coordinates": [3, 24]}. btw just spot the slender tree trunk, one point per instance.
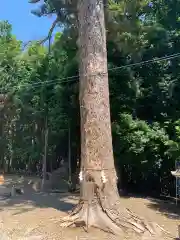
{"type": "Point", "coordinates": [44, 165]}
{"type": "Point", "coordinates": [69, 155]}
{"type": "Point", "coordinates": [2, 138]}
{"type": "Point", "coordinates": [97, 163]}
{"type": "Point", "coordinates": [11, 150]}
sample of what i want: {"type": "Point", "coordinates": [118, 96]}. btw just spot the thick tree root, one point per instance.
{"type": "Point", "coordinates": [103, 210]}
{"type": "Point", "coordinates": [113, 219]}
{"type": "Point", "coordinates": [92, 216]}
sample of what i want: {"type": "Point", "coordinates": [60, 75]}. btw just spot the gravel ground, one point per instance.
{"type": "Point", "coordinates": [36, 216]}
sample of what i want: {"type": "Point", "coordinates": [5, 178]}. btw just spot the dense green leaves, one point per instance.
{"type": "Point", "coordinates": [145, 95]}
{"type": "Point", "coordinates": [34, 78]}
{"type": "Point", "coordinates": [142, 151]}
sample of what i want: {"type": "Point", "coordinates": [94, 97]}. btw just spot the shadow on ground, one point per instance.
{"type": "Point", "coordinates": [164, 205]}
{"type": "Point", "coordinates": [66, 201]}
{"type": "Point", "coordinates": [42, 200]}
{"type": "Point", "coordinates": [32, 199]}
{"type": "Point", "coordinates": [168, 208]}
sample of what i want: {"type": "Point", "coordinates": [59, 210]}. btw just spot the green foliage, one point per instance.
{"type": "Point", "coordinates": [144, 98]}
{"type": "Point", "coordinates": [33, 77]}
{"type": "Point", "coordinates": [142, 151]}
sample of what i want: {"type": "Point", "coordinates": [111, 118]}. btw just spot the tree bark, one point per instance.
{"type": "Point", "coordinates": [2, 138]}
{"type": "Point", "coordinates": [44, 164]}
{"type": "Point", "coordinates": [103, 209]}
{"type": "Point", "coordinates": [96, 139]}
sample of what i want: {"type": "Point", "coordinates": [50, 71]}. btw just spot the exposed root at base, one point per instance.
{"type": "Point", "coordinates": [103, 210]}
{"type": "Point", "coordinates": [92, 217]}
{"type": "Point", "coordinates": [113, 222]}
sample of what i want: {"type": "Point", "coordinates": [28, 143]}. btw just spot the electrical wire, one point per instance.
{"type": "Point", "coordinates": [75, 77]}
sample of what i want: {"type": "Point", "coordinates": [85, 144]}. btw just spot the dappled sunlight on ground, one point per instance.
{"type": "Point", "coordinates": [34, 215]}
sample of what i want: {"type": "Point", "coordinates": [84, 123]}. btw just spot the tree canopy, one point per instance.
{"type": "Point", "coordinates": [144, 63]}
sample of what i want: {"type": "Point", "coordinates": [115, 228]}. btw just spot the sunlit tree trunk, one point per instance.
{"type": "Point", "coordinates": [96, 139]}
{"type": "Point", "coordinates": [97, 164]}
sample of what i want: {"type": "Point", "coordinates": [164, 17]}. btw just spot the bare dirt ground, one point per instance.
{"type": "Point", "coordinates": [36, 215]}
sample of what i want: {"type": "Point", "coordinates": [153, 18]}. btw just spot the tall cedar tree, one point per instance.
{"type": "Point", "coordinates": [97, 163]}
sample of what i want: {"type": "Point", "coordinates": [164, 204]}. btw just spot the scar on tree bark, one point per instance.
{"type": "Point", "coordinates": [97, 207]}
{"type": "Point", "coordinates": [96, 210]}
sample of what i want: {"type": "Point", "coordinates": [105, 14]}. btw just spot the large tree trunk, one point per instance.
{"type": "Point", "coordinates": [97, 164]}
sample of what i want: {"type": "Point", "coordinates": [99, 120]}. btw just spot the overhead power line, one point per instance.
{"type": "Point", "coordinates": [75, 77]}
